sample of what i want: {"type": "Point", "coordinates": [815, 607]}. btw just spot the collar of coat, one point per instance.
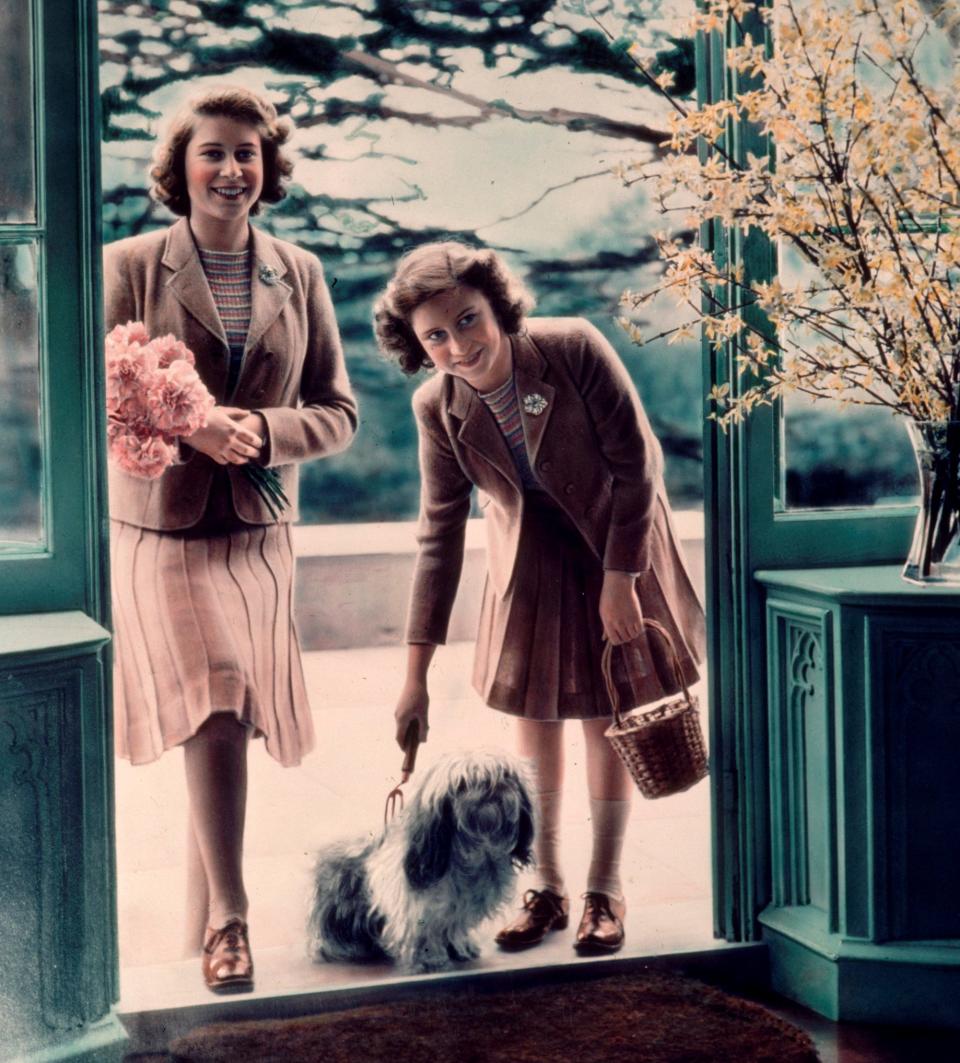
{"type": "Point", "coordinates": [478, 427]}
{"type": "Point", "coordinates": [188, 283]}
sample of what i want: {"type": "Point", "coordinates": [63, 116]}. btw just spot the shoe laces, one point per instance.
{"type": "Point", "coordinates": [229, 938]}
{"type": "Point", "coordinates": [597, 903]}
{"type": "Point", "coordinates": [534, 899]}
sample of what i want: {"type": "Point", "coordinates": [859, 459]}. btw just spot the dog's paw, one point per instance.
{"type": "Point", "coordinates": [424, 961]}
{"type": "Point", "coordinates": [463, 950]}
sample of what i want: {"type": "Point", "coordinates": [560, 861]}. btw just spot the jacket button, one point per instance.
{"type": "Point", "coordinates": [569, 489]}
{"type": "Point", "coordinates": [545, 466]}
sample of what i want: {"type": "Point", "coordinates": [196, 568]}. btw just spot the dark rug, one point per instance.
{"type": "Point", "coordinates": [645, 1018]}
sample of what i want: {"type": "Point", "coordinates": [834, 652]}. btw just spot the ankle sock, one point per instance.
{"type": "Point", "coordinates": [546, 841]}
{"type": "Point", "coordinates": [609, 823]}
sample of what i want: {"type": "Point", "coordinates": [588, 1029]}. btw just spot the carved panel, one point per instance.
{"type": "Point", "coordinates": [46, 937]}
{"type": "Point", "coordinates": [917, 688]}
{"type": "Point", "coordinates": [801, 756]}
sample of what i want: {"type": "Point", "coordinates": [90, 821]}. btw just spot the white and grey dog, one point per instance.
{"type": "Point", "coordinates": [415, 893]}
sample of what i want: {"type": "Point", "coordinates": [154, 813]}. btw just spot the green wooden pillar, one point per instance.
{"type": "Point", "coordinates": [864, 725]}
{"type": "Point", "coordinates": [58, 950]}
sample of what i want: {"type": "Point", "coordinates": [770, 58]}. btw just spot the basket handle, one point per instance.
{"type": "Point", "coordinates": [606, 665]}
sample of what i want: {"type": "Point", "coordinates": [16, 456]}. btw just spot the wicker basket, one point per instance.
{"type": "Point", "coordinates": [662, 747]}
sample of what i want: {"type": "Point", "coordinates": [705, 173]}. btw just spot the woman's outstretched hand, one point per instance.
{"type": "Point", "coordinates": [620, 611]}
{"type": "Point", "coordinates": [228, 436]}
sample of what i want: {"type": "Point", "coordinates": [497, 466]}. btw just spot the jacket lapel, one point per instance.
{"type": "Point", "coordinates": [269, 292]}
{"type": "Point", "coordinates": [189, 283]}
{"type": "Point", "coordinates": [479, 431]}
{"type": "Point", "coordinates": [529, 367]}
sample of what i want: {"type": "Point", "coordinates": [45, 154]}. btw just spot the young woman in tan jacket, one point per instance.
{"type": "Point", "coordinates": [205, 648]}
{"type": "Point", "coordinates": [541, 416]}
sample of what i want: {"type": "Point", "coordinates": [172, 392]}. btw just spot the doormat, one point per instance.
{"type": "Point", "coordinates": [645, 1018]}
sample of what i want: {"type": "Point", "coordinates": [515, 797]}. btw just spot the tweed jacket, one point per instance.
{"type": "Point", "coordinates": [292, 373]}
{"type": "Point", "coordinates": [591, 447]}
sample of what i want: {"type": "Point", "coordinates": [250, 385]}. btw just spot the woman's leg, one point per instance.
{"type": "Point", "coordinates": [610, 789]}
{"type": "Point", "coordinates": [609, 785]}
{"type": "Point", "coordinates": [198, 895]}
{"type": "Point", "coordinates": [546, 908]}
{"type": "Point", "coordinates": [216, 768]}
{"type": "Point", "coordinates": [541, 743]}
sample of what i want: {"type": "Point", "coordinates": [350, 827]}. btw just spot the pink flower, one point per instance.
{"type": "Point", "coordinates": [177, 400]}
{"type": "Point", "coordinates": [144, 455]}
{"type": "Point", "coordinates": [169, 349]}
{"type": "Point", "coordinates": [154, 395]}
{"type": "Point", "coordinates": [129, 374]}
{"type": "Point", "coordinates": [121, 337]}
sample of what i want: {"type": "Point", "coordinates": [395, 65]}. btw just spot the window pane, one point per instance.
{"type": "Point", "coordinates": [856, 456]}
{"type": "Point", "coordinates": [20, 453]}
{"type": "Point", "coordinates": [836, 456]}
{"type": "Point", "coordinates": [845, 457]}
{"type": "Point", "coordinates": [17, 189]}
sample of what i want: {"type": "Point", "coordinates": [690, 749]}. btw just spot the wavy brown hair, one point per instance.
{"type": "Point", "coordinates": [168, 171]}
{"type": "Point", "coordinates": [434, 268]}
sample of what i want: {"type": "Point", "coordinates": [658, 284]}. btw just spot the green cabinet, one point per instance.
{"type": "Point", "coordinates": [58, 977]}
{"type": "Point", "coordinates": [863, 714]}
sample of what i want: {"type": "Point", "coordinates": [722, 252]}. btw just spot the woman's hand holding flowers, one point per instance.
{"type": "Point", "coordinates": [620, 611]}
{"type": "Point", "coordinates": [229, 436]}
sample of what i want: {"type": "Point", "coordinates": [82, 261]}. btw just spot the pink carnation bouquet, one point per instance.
{"type": "Point", "coordinates": [154, 396]}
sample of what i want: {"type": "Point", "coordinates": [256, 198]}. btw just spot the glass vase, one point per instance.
{"type": "Point", "coordinates": [935, 552]}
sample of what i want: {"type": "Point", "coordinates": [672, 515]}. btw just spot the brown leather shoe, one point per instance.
{"type": "Point", "coordinates": [601, 928]}
{"type": "Point", "coordinates": [226, 960]}
{"type": "Point", "coordinates": [543, 910]}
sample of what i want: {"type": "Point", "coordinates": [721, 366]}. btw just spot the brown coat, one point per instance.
{"type": "Point", "coordinates": [591, 447]}
{"type": "Point", "coordinates": [293, 370]}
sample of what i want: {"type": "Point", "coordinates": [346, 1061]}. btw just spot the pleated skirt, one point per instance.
{"type": "Point", "coordinates": [205, 625]}
{"type": "Point", "coordinates": [539, 647]}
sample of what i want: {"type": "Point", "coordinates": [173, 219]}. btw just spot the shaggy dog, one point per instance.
{"type": "Point", "coordinates": [446, 863]}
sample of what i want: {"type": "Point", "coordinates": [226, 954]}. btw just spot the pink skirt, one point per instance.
{"type": "Point", "coordinates": [204, 625]}
{"type": "Point", "coordinates": [539, 647]}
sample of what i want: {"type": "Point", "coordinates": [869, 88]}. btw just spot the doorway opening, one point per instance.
{"type": "Point", "coordinates": [516, 128]}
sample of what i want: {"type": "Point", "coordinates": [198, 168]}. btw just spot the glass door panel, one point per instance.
{"type": "Point", "coordinates": [835, 456]}
{"type": "Point", "coordinates": [21, 460]}
{"type": "Point", "coordinates": [17, 177]}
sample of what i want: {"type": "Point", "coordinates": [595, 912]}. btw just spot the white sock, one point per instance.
{"type": "Point", "coordinates": [546, 841]}
{"type": "Point", "coordinates": [609, 821]}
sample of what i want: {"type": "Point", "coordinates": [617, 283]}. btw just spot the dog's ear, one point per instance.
{"type": "Point", "coordinates": [429, 841]}
{"type": "Point", "coordinates": [523, 850]}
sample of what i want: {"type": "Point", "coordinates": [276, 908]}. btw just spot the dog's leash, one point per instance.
{"type": "Point", "coordinates": [411, 741]}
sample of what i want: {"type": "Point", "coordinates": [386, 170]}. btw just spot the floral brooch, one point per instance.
{"type": "Point", "coordinates": [534, 404]}
{"type": "Point", "coordinates": [268, 274]}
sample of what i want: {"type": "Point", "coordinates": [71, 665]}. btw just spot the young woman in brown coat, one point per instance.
{"type": "Point", "coordinates": [205, 648]}
{"type": "Point", "coordinates": [541, 416]}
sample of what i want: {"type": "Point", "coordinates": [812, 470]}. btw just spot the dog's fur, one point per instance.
{"type": "Point", "coordinates": [447, 862]}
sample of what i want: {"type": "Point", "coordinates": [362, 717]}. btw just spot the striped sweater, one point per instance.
{"type": "Point", "coordinates": [228, 274]}
{"type": "Point", "coordinates": [505, 407]}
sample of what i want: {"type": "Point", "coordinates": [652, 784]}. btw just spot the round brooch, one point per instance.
{"type": "Point", "coordinates": [268, 274]}
{"type": "Point", "coordinates": [534, 404]}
